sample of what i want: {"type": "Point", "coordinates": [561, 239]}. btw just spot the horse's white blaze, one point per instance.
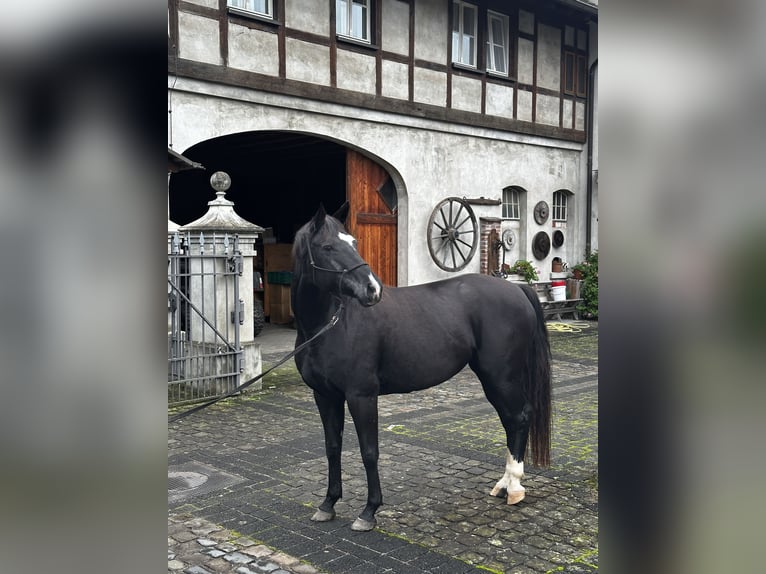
{"type": "Point", "coordinates": [511, 481]}
{"type": "Point", "coordinates": [347, 238]}
{"type": "Point", "coordinates": [375, 285]}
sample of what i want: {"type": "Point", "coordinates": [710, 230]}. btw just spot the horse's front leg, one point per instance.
{"type": "Point", "coordinates": [364, 411]}
{"type": "Point", "coordinates": [333, 416]}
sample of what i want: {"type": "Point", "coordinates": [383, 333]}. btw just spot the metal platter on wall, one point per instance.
{"type": "Point", "coordinates": [509, 239]}
{"type": "Point", "coordinates": [541, 245]}
{"type": "Point", "coordinates": [541, 212]}
{"type": "Point", "coordinates": [558, 238]}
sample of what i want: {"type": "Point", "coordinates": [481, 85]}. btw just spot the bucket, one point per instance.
{"type": "Point", "coordinates": [559, 290]}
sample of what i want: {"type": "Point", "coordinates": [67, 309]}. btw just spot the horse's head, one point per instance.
{"type": "Point", "coordinates": [327, 253]}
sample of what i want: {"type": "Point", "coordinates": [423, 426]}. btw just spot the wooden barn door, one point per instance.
{"type": "Point", "coordinates": [372, 214]}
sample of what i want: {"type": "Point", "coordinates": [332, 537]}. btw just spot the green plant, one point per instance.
{"type": "Point", "coordinates": [525, 269]}
{"type": "Point", "coordinates": [589, 290]}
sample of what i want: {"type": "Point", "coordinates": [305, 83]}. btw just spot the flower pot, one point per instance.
{"type": "Point", "coordinates": [515, 278]}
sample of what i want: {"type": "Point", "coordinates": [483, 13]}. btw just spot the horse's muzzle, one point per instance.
{"type": "Point", "coordinates": [374, 291]}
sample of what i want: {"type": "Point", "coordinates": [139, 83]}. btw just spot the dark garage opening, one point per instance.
{"type": "Point", "coordinates": [278, 179]}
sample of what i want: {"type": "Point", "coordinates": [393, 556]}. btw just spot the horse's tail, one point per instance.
{"type": "Point", "coordinates": [538, 385]}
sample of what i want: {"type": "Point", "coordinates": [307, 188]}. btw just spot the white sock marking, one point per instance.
{"type": "Point", "coordinates": [511, 481]}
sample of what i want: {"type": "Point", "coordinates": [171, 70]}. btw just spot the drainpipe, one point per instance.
{"type": "Point", "coordinates": [589, 183]}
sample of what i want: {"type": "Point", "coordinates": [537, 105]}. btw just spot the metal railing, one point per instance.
{"type": "Point", "coordinates": [204, 316]}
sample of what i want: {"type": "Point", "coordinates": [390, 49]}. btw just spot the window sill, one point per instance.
{"type": "Point", "coordinates": [498, 75]}
{"type": "Point", "coordinates": [356, 42]}
{"type": "Point", "coordinates": [486, 73]}
{"type": "Point", "coordinates": [467, 68]}
{"type": "Point", "coordinates": [252, 16]}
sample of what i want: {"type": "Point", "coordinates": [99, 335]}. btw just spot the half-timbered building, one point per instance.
{"type": "Point", "coordinates": [397, 106]}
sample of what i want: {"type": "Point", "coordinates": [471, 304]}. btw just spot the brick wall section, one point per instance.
{"type": "Point", "coordinates": [487, 224]}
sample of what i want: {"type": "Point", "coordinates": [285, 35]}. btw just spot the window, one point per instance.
{"type": "Point", "coordinates": [560, 206]}
{"type": "Point", "coordinates": [510, 203]}
{"type": "Point", "coordinates": [497, 43]}
{"type": "Point", "coordinates": [464, 22]}
{"type": "Point", "coordinates": [352, 19]}
{"type": "Point", "coordinates": [575, 74]}
{"type": "Point", "coordinates": [260, 7]}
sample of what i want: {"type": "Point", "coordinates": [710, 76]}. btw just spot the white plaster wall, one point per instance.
{"type": "Point", "coordinates": [526, 61]}
{"type": "Point", "coordinates": [206, 3]}
{"type": "Point", "coordinates": [566, 116]}
{"type": "Point", "coordinates": [355, 71]}
{"type": "Point", "coordinates": [580, 116]}
{"type": "Point", "coordinates": [526, 22]}
{"type": "Point", "coordinates": [524, 106]}
{"type": "Point", "coordinates": [547, 110]}
{"type": "Point", "coordinates": [308, 15]}
{"type": "Point", "coordinates": [429, 160]}
{"type": "Point", "coordinates": [198, 38]}
{"type": "Point", "coordinates": [395, 80]}
{"type": "Point", "coordinates": [466, 94]}
{"type": "Point", "coordinates": [307, 62]}
{"type": "Point", "coordinates": [253, 50]}
{"type": "Point", "coordinates": [499, 100]}
{"type": "Point", "coordinates": [548, 57]}
{"type": "Point", "coordinates": [431, 31]}
{"type": "Point", "coordinates": [430, 87]}
{"type": "Point", "coordinates": [396, 27]}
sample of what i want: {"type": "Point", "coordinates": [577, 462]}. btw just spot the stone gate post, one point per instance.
{"type": "Point", "coordinates": [219, 226]}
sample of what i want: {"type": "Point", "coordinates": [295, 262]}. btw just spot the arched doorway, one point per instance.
{"type": "Point", "coordinates": [280, 178]}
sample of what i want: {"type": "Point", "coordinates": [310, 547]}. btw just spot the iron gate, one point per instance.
{"type": "Point", "coordinates": [204, 316]}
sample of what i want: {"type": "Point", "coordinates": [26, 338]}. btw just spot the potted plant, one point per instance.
{"type": "Point", "coordinates": [525, 269]}
{"type": "Point", "coordinates": [588, 272]}
{"type": "Point", "coordinates": [580, 270]}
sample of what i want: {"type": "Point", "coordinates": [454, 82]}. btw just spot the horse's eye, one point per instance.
{"type": "Point", "coordinates": [327, 247]}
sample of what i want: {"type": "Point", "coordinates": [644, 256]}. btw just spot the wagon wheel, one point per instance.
{"type": "Point", "coordinates": [452, 234]}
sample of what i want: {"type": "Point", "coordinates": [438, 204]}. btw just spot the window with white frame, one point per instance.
{"type": "Point", "coordinates": [559, 212]}
{"type": "Point", "coordinates": [464, 26]}
{"type": "Point", "coordinates": [263, 8]}
{"type": "Point", "coordinates": [497, 43]}
{"type": "Point", "coordinates": [352, 19]}
{"type": "Point", "coordinates": [511, 203]}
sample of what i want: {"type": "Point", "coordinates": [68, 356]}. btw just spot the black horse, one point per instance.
{"type": "Point", "coordinates": [412, 338]}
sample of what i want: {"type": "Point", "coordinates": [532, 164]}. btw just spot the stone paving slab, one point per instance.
{"type": "Point", "coordinates": [442, 450]}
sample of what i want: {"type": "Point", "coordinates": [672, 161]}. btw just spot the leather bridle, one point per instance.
{"type": "Point", "coordinates": [342, 272]}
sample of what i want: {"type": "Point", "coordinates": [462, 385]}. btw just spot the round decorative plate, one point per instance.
{"type": "Point", "coordinates": [541, 245]}
{"type": "Point", "coordinates": [541, 212]}
{"type": "Point", "coordinates": [558, 238]}
{"type": "Point", "coordinates": [509, 239]}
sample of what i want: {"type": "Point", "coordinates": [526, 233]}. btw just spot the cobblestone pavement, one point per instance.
{"type": "Point", "coordinates": [246, 474]}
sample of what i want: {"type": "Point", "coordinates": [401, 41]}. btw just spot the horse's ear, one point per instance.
{"type": "Point", "coordinates": [318, 220]}
{"type": "Point", "coordinates": [342, 213]}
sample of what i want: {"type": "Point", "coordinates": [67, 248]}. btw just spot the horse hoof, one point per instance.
{"type": "Point", "coordinates": [323, 516]}
{"type": "Point", "coordinates": [498, 491]}
{"type": "Point", "coordinates": [515, 497]}
{"type": "Point", "coordinates": [362, 525]}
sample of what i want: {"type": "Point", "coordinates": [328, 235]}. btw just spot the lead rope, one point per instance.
{"type": "Point", "coordinates": [246, 384]}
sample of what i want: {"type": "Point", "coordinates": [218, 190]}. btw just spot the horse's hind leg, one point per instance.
{"type": "Point", "coordinates": [517, 432]}
{"type": "Point", "coordinates": [514, 414]}
{"type": "Point", "coordinates": [333, 416]}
